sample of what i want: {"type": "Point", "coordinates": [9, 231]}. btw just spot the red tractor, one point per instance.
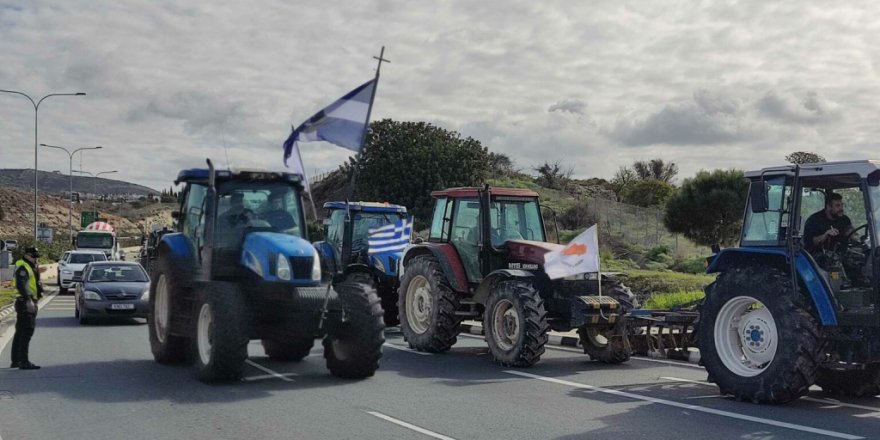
{"type": "Point", "coordinates": [483, 260]}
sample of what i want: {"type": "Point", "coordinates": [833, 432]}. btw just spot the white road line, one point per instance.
{"type": "Point", "coordinates": [406, 349]}
{"type": "Point", "coordinates": [831, 402]}
{"type": "Point", "coordinates": [415, 428]}
{"type": "Point", "coordinates": [266, 370]}
{"type": "Point", "coordinates": [264, 377]}
{"type": "Point", "coordinates": [690, 407]}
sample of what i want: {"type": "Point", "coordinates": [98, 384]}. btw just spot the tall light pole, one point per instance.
{"type": "Point", "coordinates": [36, 105]}
{"type": "Point", "coordinates": [70, 192]}
{"type": "Point", "coordinates": [95, 187]}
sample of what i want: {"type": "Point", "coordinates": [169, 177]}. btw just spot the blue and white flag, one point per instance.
{"type": "Point", "coordinates": [341, 123]}
{"type": "Point", "coordinates": [391, 237]}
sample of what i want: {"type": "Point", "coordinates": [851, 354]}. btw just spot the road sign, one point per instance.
{"type": "Point", "coordinates": [88, 217]}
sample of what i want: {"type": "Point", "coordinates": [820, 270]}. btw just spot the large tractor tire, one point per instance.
{"type": "Point", "coordinates": [757, 341]}
{"type": "Point", "coordinates": [221, 339]}
{"type": "Point", "coordinates": [851, 383]}
{"type": "Point", "coordinates": [289, 350]}
{"type": "Point", "coordinates": [515, 323]}
{"type": "Point", "coordinates": [387, 295]}
{"type": "Point", "coordinates": [427, 307]}
{"type": "Point", "coordinates": [609, 346]}
{"type": "Point", "coordinates": [353, 349]}
{"type": "Point", "coordinates": [168, 283]}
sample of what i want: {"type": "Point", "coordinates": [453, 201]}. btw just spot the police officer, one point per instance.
{"type": "Point", "coordinates": [30, 290]}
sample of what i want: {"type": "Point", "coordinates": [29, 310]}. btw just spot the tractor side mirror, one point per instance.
{"type": "Point", "coordinates": [758, 197]}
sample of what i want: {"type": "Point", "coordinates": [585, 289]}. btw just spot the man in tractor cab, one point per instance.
{"type": "Point", "coordinates": [277, 216]}
{"type": "Point", "coordinates": [829, 227]}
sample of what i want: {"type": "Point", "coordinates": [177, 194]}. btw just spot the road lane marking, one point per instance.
{"type": "Point", "coordinates": [688, 406]}
{"type": "Point", "coordinates": [406, 349]}
{"type": "Point", "coordinates": [264, 377]}
{"type": "Point", "coordinates": [267, 370]}
{"type": "Point", "coordinates": [415, 428]}
{"type": "Point", "coordinates": [832, 402]}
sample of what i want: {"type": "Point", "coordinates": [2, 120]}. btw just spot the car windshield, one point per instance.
{"type": "Point", "coordinates": [85, 258]}
{"type": "Point", "coordinates": [120, 273]}
{"type": "Point", "coordinates": [95, 241]}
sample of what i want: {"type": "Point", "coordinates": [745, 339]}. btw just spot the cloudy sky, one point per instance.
{"type": "Point", "coordinates": [593, 84]}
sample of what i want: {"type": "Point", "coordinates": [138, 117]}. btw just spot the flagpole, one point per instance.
{"type": "Point", "coordinates": [357, 156]}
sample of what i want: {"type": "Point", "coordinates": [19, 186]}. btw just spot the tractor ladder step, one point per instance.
{"type": "Point", "coordinates": [467, 308]}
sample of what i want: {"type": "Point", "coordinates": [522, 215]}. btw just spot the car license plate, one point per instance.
{"type": "Point", "coordinates": [122, 306]}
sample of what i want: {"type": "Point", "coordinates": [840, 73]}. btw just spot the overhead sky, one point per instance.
{"type": "Point", "coordinates": [594, 85]}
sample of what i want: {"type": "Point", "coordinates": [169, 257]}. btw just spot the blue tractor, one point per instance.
{"type": "Point", "coordinates": [345, 249]}
{"type": "Point", "coordinates": [798, 303]}
{"type": "Point", "coordinates": [238, 267]}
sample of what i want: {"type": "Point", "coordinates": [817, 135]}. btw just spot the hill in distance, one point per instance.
{"type": "Point", "coordinates": [59, 183]}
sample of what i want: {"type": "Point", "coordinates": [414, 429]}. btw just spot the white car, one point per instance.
{"type": "Point", "coordinates": [73, 266]}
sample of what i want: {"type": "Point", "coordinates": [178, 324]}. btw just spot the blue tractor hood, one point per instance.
{"type": "Point", "coordinates": [386, 262]}
{"type": "Point", "coordinates": [261, 251]}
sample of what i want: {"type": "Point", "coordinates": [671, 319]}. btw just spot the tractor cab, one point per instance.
{"type": "Point", "coordinates": [829, 212]}
{"type": "Point", "coordinates": [491, 228]}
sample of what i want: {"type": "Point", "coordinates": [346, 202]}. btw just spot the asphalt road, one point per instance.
{"type": "Point", "coordinates": [100, 382]}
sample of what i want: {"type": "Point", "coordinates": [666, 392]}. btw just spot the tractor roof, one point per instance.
{"type": "Point", "coordinates": [474, 192]}
{"type": "Point", "coordinates": [367, 207]}
{"type": "Point", "coordinates": [861, 167]}
{"type": "Point", "coordinates": [201, 175]}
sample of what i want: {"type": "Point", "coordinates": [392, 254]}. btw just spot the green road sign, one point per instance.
{"type": "Point", "coordinates": [88, 217]}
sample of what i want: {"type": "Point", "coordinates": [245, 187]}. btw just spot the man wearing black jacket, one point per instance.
{"type": "Point", "coordinates": [30, 290]}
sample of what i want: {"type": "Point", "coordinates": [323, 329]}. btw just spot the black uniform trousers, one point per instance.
{"type": "Point", "coordinates": [25, 323]}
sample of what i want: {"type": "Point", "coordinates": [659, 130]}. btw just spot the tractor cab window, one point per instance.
{"type": "Point", "coordinates": [364, 221]}
{"type": "Point", "coordinates": [192, 219]}
{"type": "Point", "coordinates": [442, 217]}
{"type": "Point", "coordinates": [515, 219]}
{"type": "Point", "coordinates": [764, 228]}
{"type": "Point", "coordinates": [336, 228]}
{"type": "Point", "coordinates": [269, 206]}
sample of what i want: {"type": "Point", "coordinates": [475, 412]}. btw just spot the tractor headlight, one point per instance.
{"type": "Point", "coordinates": [89, 295]}
{"type": "Point", "coordinates": [282, 268]}
{"type": "Point", "coordinates": [379, 265]}
{"type": "Point", "coordinates": [316, 268]}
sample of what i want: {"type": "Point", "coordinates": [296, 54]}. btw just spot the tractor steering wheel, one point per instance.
{"type": "Point", "coordinates": [244, 217]}
{"type": "Point", "coordinates": [851, 233]}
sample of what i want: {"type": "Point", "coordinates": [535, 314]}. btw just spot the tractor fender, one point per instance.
{"type": "Point", "coordinates": [490, 281]}
{"type": "Point", "coordinates": [176, 245]}
{"type": "Point", "coordinates": [446, 255]}
{"type": "Point", "coordinates": [325, 250]}
{"type": "Point", "coordinates": [808, 273]}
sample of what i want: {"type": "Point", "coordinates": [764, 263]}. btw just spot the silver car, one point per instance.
{"type": "Point", "coordinates": [72, 265]}
{"type": "Point", "coordinates": [112, 289]}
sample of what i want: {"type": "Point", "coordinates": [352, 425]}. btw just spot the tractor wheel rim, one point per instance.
{"type": "Point", "coordinates": [161, 311]}
{"type": "Point", "coordinates": [204, 333]}
{"type": "Point", "coordinates": [596, 338]}
{"type": "Point", "coordinates": [746, 336]}
{"type": "Point", "coordinates": [419, 305]}
{"type": "Point", "coordinates": [505, 325]}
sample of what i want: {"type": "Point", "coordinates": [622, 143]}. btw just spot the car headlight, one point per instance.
{"type": "Point", "coordinates": [282, 268]}
{"type": "Point", "coordinates": [67, 272]}
{"type": "Point", "coordinates": [89, 295]}
{"type": "Point", "coordinates": [316, 268]}
{"type": "Point", "coordinates": [145, 295]}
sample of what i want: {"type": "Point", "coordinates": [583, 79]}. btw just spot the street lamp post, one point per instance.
{"type": "Point", "coordinates": [36, 105]}
{"type": "Point", "coordinates": [70, 174]}
{"type": "Point", "coordinates": [95, 186]}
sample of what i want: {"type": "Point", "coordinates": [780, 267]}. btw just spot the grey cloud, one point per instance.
{"type": "Point", "coordinates": [575, 106]}
{"type": "Point", "coordinates": [810, 109]}
{"type": "Point", "coordinates": [201, 113]}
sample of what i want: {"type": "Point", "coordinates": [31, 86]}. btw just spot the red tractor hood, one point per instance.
{"type": "Point", "coordinates": [529, 251]}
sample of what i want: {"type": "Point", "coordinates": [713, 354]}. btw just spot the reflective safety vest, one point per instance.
{"type": "Point", "coordinates": [32, 280]}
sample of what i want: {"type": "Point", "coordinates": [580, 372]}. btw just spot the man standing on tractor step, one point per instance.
{"type": "Point", "coordinates": [828, 227]}
{"type": "Point", "coordinates": [30, 290]}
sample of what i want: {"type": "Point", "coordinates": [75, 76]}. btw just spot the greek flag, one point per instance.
{"type": "Point", "coordinates": [341, 123]}
{"type": "Point", "coordinates": [391, 237]}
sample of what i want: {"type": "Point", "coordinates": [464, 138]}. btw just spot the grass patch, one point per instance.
{"type": "Point", "coordinates": [668, 300]}
{"type": "Point", "coordinates": [648, 283]}
{"type": "Point", "coordinates": [7, 295]}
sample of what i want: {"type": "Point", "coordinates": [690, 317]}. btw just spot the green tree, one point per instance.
{"type": "Point", "coordinates": [552, 175]}
{"type": "Point", "coordinates": [402, 162]}
{"type": "Point", "coordinates": [622, 178]}
{"type": "Point", "coordinates": [656, 169]}
{"type": "Point", "coordinates": [802, 157]}
{"type": "Point", "coordinates": [647, 193]}
{"type": "Point", "coordinates": [708, 207]}
{"type": "Point", "coordinates": [500, 165]}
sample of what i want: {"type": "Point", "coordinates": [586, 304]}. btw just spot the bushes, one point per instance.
{"type": "Point", "coordinates": [50, 252]}
{"type": "Point", "coordinates": [666, 301]}
{"type": "Point", "coordinates": [578, 216]}
{"type": "Point", "coordinates": [647, 283]}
